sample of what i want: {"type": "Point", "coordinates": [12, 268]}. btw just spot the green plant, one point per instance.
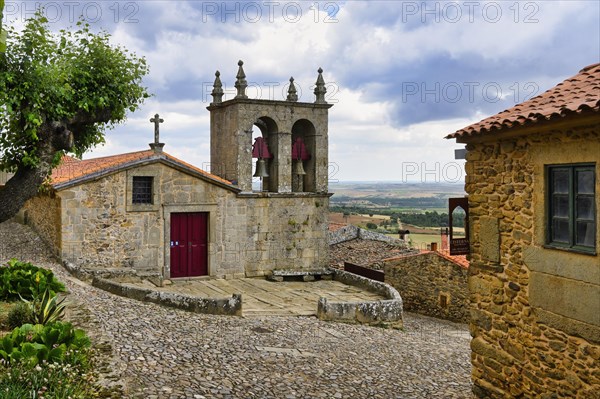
{"type": "Point", "coordinates": [19, 314]}
{"type": "Point", "coordinates": [34, 344]}
{"type": "Point", "coordinates": [45, 309]}
{"type": "Point", "coordinates": [72, 377]}
{"type": "Point", "coordinates": [24, 280]}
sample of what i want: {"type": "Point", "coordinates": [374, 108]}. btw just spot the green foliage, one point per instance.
{"type": "Point", "coordinates": [24, 280]}
{"type": "Point", "coordinates": [54, 361]}
{"type": "Point", "coordinates": [2, 31]}
{"type": "Point", "coordinates": [34, 344]}
{"type": "Point", "coordinates": [73, 77]}
{"type": "Point", "coordinates": [425, 219]}
{"type": "Point", "coordinates": [19, 314]}
{"type": "Point", "coordinates": [371, 226]}
{"type": "Point", "coordinates": [46, 308]}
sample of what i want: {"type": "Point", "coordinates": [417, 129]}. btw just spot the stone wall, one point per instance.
{"type": "Point", "coordinates": [535, 313]}
{"type": "Point", "coordinates": [42, 213]}
{"type": "Point", "coordinates": [285, 232]}
{"type": "Point", "coordinates": [98, 231]}
{"type": "Point", "coordinates": [385, 313]}
{"type": "Point", "coordinates": [351, 232]}
{"type": "Point", "coordinates": [430, 284]}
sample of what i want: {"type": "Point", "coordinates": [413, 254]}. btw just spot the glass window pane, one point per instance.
{"type": "Point", "coordinates": [560, 180]}
{"type": "Point", "coordinates": [560, 206]}
{"type": "Point", "coordinates": [142, 190]}
{"type": "Point", "coordinates": [560, 230]}
{"type": "Point", "coordinates": [586, 232]}
{"type": "Point", "coordinates": [585, 182]}
{"type": "Point", "coordinates": [585, 208]}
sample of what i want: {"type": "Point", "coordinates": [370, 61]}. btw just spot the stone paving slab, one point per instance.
{"type": "Point", "coordinates": [264, 297]}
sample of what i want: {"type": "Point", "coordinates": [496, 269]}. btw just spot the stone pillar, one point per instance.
{"type": "Point", "coordinates": [244, 160]}
{"type": "Point", "coordinates": [321, 157]}
{"type": "Point", "coordinates": [283, 159]}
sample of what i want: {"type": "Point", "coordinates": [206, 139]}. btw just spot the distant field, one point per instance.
{"type": "Point", "coordinates": [357, 220]}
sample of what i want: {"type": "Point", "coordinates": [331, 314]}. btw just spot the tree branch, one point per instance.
{"type": "Point", "coordinates": [99, 115]}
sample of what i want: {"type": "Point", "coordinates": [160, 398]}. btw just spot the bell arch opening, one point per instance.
{"type": "Point", "coordinates": [264, 154]}
{"type": "Point", "coordinates": [303, 156]}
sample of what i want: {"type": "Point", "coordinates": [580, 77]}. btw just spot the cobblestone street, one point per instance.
{"type": "Point", "coordinates": [167, 353]}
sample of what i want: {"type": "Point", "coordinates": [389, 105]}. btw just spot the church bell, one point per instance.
{"type": "Point", "coordinates": [261, 168]}
{"type": "Point", "coordinates": [299, 168]}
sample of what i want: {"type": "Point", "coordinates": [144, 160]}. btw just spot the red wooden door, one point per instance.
{"type": "Point", "coordinates": [189, 244]}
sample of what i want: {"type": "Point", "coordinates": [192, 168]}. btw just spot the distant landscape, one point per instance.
{"type": "Point", "coordinates": [386, 207]}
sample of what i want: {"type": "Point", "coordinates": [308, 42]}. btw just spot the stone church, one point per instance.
{"type": "Point", "coordinates": [153, 213]}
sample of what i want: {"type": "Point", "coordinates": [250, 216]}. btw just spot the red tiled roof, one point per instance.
{"type": "Point", "coordinates": [72, 169]}
{"type": "Point", "coordinates": [579, 94]}
{"type": "Point", "coordinates": [460, 260]}
{"type": "Point", "coordinates": [336, 226]}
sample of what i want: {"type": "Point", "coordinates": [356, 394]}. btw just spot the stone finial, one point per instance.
{"type": "Point", "coordinates": [292, 92]}
{"type": "Point", "coordinates": [241, 83]}
{"type": "Point", "coordinates": [217, 92]}
{"type": "Point", "coordinates": [157, 146]}
{"type": "Point", "coordinates": [320, 89]}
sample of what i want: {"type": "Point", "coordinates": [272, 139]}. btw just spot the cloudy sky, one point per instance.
{"type": "Point", "coordinates": [401, 74]}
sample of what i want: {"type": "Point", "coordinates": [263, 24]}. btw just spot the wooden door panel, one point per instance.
{"type": "Point", "coordinates": [189, 244]}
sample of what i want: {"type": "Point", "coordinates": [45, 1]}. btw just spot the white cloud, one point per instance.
{"type": "Point", "coordinates": [361, 52]}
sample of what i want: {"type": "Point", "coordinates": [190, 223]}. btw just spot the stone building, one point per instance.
{"type": "Point", "coordinates": [152, 213]}
{"type": "Point", "coordinates": [534, 194]}
{"type": "Point", "coordinates": [431, 283]}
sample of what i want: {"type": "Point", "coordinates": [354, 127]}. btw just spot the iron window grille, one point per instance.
{"type": "Point", "coordinates": [571, 215]}
{"type": "Point", "coordinates": [142, 190]}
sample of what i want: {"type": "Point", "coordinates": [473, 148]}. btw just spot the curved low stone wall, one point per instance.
{"type": "Point", "coordinates": [386, 312]}
{"type": "Point", "coordinates": [225, 306]}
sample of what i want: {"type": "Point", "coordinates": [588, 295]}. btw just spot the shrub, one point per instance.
{"type": "Point", "coordinates": [35, 344]}
{"type": "Point", "coordinates": [371, 226]}
{"type": "Point", "coordinates": [22, 279]}
{"type": "Point", "coordinates": [19, 314]}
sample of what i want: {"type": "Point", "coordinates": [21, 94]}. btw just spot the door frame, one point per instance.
{"type": "Point", "coordinates": [211, 234]}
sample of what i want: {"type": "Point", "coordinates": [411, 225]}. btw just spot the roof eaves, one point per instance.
{"type": "Point", "coordinates": [137, 162]}
{"type": "Point", "coordinates": [103, 173]}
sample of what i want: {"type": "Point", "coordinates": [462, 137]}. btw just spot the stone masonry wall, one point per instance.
{"type": "Point", "coordinates": [99, 232]}
{"type": "Point", "coordinates": [534, 311]}
{"type": "Point", "coordinates": [430, 284]}
{"type": "Point", "coordinates": [286, 232]}
{"type": "Point", "coordinates": [42, 213]}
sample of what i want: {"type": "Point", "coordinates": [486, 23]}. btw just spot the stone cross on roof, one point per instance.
{"type": "Point", "coordinates": [157, 146]}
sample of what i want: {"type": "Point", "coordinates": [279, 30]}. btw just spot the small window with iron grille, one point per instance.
{"type": "Point", "coordinates": [571, 207]}
{"type": "Point", "coordinates": [142, 190]}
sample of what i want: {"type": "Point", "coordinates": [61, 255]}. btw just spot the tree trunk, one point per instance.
{"type": "Point", "coordinates": [25, 184]}
{"type": "Point", "coordinates": [21, 187]}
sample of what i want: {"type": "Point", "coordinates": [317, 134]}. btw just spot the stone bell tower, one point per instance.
{"type": "Point", "coordinates": [292, 147]}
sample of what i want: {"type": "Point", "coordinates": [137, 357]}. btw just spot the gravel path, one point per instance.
{"type": "Point", "coordinates": [167, 353]}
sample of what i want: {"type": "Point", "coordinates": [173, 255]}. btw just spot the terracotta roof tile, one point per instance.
{"type": "Point", "coordinates": [336, 226]}
{"type": "Point", "coordinates": [577, 95]}
{"type": "Point", "coordinates": [73, 169]}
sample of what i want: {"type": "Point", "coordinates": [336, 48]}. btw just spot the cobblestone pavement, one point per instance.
{"type": "Point", "coordinates": [167, 353]}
